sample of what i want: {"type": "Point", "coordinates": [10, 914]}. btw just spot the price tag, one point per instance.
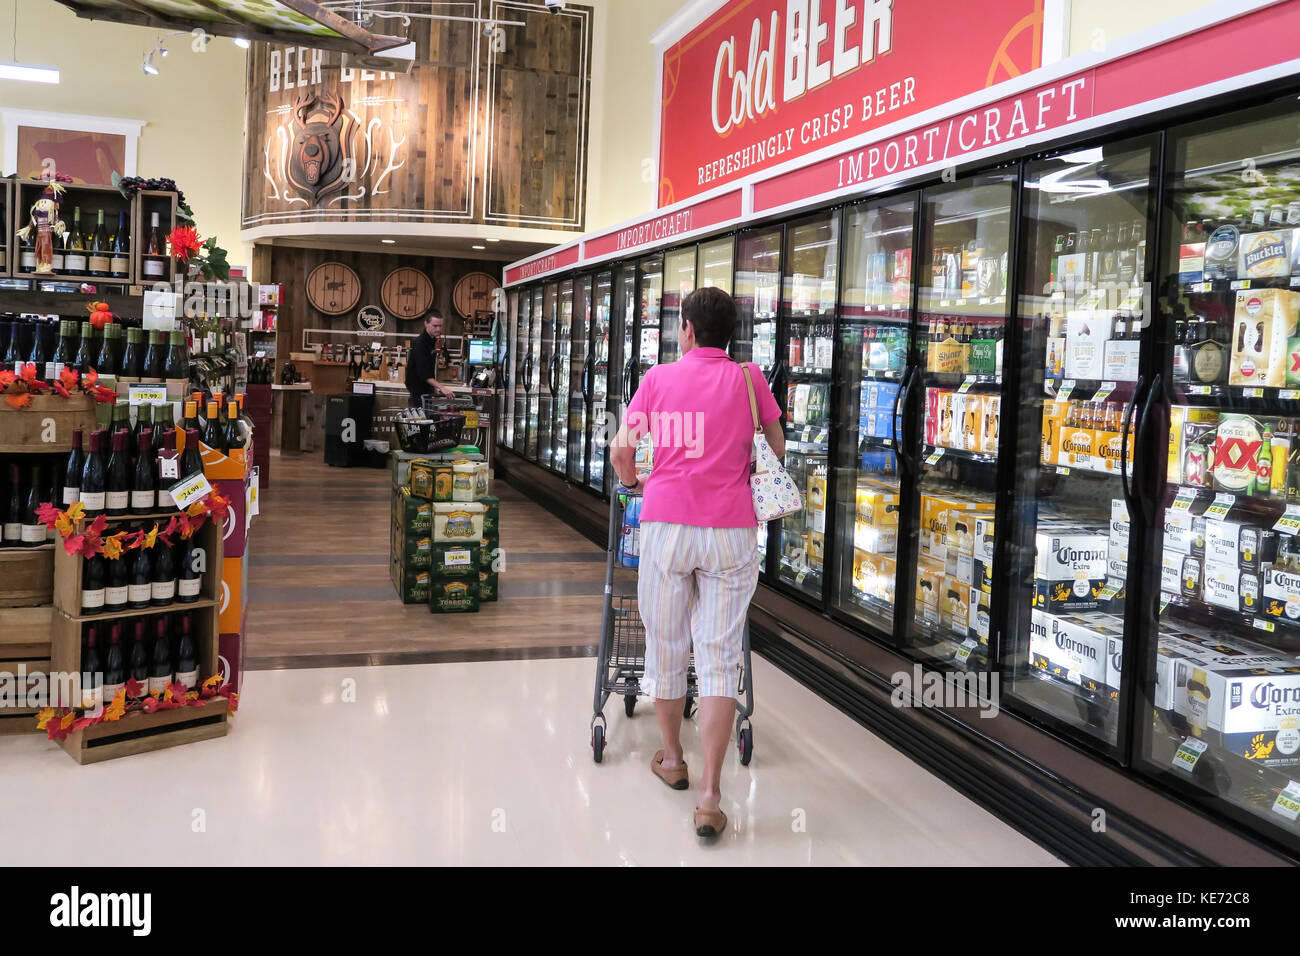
{"type": "Point", "coordinates": [1109, 591]}
{"type": "Point", "coordinates": [1262, 625]}
{"type": "Point", "coordinates": [798, 578]}
{"type": "Point", "coordinates": [147, 394]}
{"type": "Point", "coordinates": [1289, 523]}
{"type": "Point", "coordinates": [1202, 286]}
{"type": "Point", "coordinates": [1064, 391]}
{"type": "Point", "coordinates": [1103, 392]}
{"type": "Point", "coordinates": [1252, 393]}
{"type": "Point", "coordinates": [985, 300]}
{"type": "Point", "coordinates": [934, 456]}
{"type": "Point", "coordinates": [964, 652]}
{"type": "Point", "coordinates": [1188, 753]}
{"type": "Point", "coordinates": [1184, 499]}
{"type": "Point", "coordinates": [966, 384]}
{"type": "Point", "coordinates": [1165, 598]}
{"type": "Point", "coordinates": [1287, 803]}
{"type": "Point", "coordinates": [1295, 281]}
{"type": "Point", "coordinates": [190, 489]}
{"type": "Point", "coordinates": [1221, 506]}
{"type": "Point", "coordinates": [960, 302]}
{"type": "Point", "coordinates": [1062, 470]}
{"type": "Point", "coordinates": [944, 303]}
{"type": "Point", "coordinates": [363, 388]}
{"type": "Point", "coordinates": [1200, 389]}
{"type": "Point", "coordinates": [1288, 393]}
{"type": "Point", "coordinates": [254, 486]}
{"type": "Point", "coordinates": [169, 465]}
{"type": "Point", "coordinates": [1240, 284]}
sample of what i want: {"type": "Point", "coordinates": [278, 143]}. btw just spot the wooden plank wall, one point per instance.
{"type": "Point", "coordinates": [483, 135]}
{"type": "Point", "coordinates": [290, 267]}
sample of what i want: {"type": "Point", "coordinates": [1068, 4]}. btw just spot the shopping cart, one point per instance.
{"type": "Point", "coordinates": [620, 660]}
{"type": "Point", "coordinates": [435, 426]}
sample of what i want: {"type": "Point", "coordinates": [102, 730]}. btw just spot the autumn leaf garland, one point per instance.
{"type": "Point", "coordinates": [59, 722]}
{"type": "Point", "coordinates": [19, 387]}
{"type": "Point", "coordinates": [92, 541]}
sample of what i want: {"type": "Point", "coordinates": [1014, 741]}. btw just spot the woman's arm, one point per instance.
{"type": "Point", "coordinates": [775, 435]}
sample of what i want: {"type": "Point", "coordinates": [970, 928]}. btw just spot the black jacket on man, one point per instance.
{"type": "Point", "coordinates": [422, 366]}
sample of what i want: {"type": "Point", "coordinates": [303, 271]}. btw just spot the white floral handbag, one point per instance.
{"type": "Point", "coordinates": [774, 492]}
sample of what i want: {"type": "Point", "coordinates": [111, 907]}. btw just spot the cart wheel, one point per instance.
{"type": "Point", "coordinates": [745, 744]}
{"type": "Point", "coordinates": [598, 742]}
{"type": "Point", "coordinates": [629, 704]}
{"type": "Point", "coordinates": [689, 709]}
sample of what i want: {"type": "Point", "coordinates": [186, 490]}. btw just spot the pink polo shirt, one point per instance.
{"type": "Point", "coordinates": [696, 411]}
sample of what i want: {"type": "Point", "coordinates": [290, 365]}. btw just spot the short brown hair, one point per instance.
{"type": "Point", "coordinates": [712, 313]}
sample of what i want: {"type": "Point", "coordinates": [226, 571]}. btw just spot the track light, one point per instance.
{"type": "Point", "coordinates": [242, 42]}
{"type": "Point", "coordinates": [147, 66]}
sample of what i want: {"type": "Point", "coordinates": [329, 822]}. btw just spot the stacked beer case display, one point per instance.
{"type": "Point", "coordinates": [1225, 685]}
{"type": "Point", "coordinates": [1081, 312]}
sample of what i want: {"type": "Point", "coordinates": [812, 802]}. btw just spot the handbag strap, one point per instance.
{"type": "Point", "coordinates": [753, 402]}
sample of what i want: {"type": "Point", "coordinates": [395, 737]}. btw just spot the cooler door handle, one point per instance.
{"type": "Point", "coordinates": [627, 382]}
{"type": "Point", "coordinates": [1123, 448]}
{"type": "Point", "coordinates": [586, 379]}
{"type": "Point", "coordinates": [1141, 474]}
{"type": "Point", "coordinates": [893, 418]}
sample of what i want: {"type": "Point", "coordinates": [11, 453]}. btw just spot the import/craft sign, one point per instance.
{"type": "Point", "coordinates": [761, 82]}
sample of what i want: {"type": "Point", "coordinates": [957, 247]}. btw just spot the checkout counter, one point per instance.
{"type": "Point", "coordinates": [330, 368]}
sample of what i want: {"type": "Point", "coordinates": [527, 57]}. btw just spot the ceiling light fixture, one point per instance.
{"type": "Point", "coordinates": [32, 74]}
{"type": "Point", "coordinates": [242, 42]}
{"type": "Point", "coordinates": [478, 247]}
{"type": "Point", "coordinates": [147, 66]}
{"type": "Point", "coordinates": [388, 242]}
{"type": "Point", "coordinates": [494, 240]}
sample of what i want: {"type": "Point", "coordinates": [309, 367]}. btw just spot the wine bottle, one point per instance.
{"type": "Point", "coordinates": [13, 359]}
{"type": "Point", "coordinates": [165, 481]}
{"type": "Point", "coordinates": [86, 350]}
{"type": "Point", "coordinates": [191, 415]}
{"type": "Point", "coordinates": [155, 251]}
{"type": "Point", "coordinates": [144, 497]}
{"type": "Point", "coordinates": [212, 435]}
{"type": "Point", "coordinates": [177, 365]}
{"type": "Point", "coordinates": [187, 659]}
{"type": "Point", "coordinates": [27, 257]}
{"type": "Point", "coordinates": [106, 362]}
{"type": "Point", "coordinates": [132, 365]}
{"type": "Point", "coordinates": [114, 666]}
{"type": "Point", "coordinates": [122, 423]}
{"type": "Point", "coordinates": [33, 532]}
{"type": "Point", "coordinates": [94, 476]}
{"type": "Point", "coordinates": [117, 480]}
{"type": "Point", "coordinates": [74, 256]}
{"type": "Point", "coordinates": [117, 590]}
{"type": "Point", "coordinates": [164, 575]}
{"type": "Point", "coordinates": [155, 357]}
{"type": "Point", "coordinates": [191, 457]}
{"type": "Point", "coordinates": [143, 420]}
{"type": "Point", "coordinates": [12, 531]}
{"type": "Point", "coordinates": [37, 356]}
{"type": "Point", "coordinates": [160, 660]}
{"type": "Point", "coordinates": [234, 431]}
{"type": "Point", "coordinates": [139, 585]}
{"type": "Point", "coordinates": [94, 575]}
{"type": "Point", "coordinates": [138, 661]}
{"type": "Point", "coordinates": [65, 352]}
{"type": "Point", "coordinates": [92, 674]}
{"type": "Point", "coordinates": [72, 470]}
{"type": "Point", "coordinates": [99, 250]}
{"type": "Point", "coordinates": [119, 262]}
{"type": "Point", "coordinates": [189, 579]}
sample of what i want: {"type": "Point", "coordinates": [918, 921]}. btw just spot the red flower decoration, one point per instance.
{"type": "Point", "coordinates": [184, 242]}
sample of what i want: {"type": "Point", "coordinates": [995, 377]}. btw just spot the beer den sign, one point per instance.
{"type": "Point", "coordinates": [786, 77]}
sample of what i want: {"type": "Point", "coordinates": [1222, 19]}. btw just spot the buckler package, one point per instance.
{"type": "Point", "coordinates": [1264, 255]}
{"type": "Point", "coordinates": [1264, 321]}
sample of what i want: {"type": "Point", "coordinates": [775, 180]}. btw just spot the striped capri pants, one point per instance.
{"type": "Point", "coordinates": [694, 586]}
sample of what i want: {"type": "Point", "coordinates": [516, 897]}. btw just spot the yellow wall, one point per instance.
{"type": "Point", "coordinates": [1094, 23]}
{"type": "Point", "coordinates": [194, 108]}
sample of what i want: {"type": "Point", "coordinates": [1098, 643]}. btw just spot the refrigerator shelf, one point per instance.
{"type": "Point", "coordinates": [1243, 398]}
{"type": "Point", "coordinates": [963, 381]}
{"type": "Point", "coordinates": [1278, 634]}
{"type": "Point", "coordinates": [1224, 286]}
{"type": "Point", "coordinates": [1072, 470]}
{"type": "Point", "coordinates": [809, 370]}
{"type": "Point", "coordinates": [881, 374]}
{"type": "Point", "coordinates": [933, 453]}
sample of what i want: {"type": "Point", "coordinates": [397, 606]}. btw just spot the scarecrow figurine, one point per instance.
{"type": "Point", "coordinates": [45, 220]}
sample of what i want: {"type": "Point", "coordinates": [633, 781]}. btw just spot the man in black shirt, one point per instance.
{"type": "Point", "coordinates": [422, 366]}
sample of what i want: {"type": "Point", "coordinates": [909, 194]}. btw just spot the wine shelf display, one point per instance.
{"type": "Point", "coordinates": [24, 649]}
{"type": "Point", "coordinates": [134, 216]}
{"type": "Point", "coordinates": [137, 732]}
{"type": "Point", "coordinates": [46, 424]}
{"type": "Point", "coordinates": [26, 576]}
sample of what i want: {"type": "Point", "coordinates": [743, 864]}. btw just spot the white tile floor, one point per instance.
{"type": "Point", "coordinates": [486, 763]}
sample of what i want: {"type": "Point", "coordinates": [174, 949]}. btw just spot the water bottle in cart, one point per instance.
{"type": "Point", "coordinates": [630, 543]}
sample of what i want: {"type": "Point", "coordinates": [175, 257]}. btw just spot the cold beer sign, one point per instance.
{"type": "Point", "coordinates": [761, 82]}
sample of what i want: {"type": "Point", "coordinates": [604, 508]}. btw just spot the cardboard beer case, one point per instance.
{"type": "Point", "coordinates": [1264, 320]}
{"type": "Point", "coordinates": [458, 595]}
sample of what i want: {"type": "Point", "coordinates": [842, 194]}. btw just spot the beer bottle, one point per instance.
{"type": "Point", "coordinates": [1095, 243]}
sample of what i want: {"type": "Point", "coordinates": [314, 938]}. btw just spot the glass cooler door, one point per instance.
{"type": "Point", "coordinates": [716, 263]}
{"type": "Point", "coordinates": [679, 282]}
{"type": "Point", "coordinates": [625, 310]}
{"type": "Point", "coordinates": [1223, 680]}
{"type": "Point", "coordinates": [560, 365]}
{"type": "Point", "coordinates": [1082, 325]}
{"type": "Point", "coordinates": [873, 345]}
{"type": "Point", "coordinates": [961, 317]}
{"type": "Point", "coordinates": [579, 378]}
{"type": "Point", "coordinates": [599, 364]}
{"type": "Point", "coordinates": [514, 393]}
{"type": "Point", "coordinates": [546, 375]}
{"type": "Point", "coordinates": [534, 370]}
{"type": "Point", "coordinates": [650, 288]}
{"type": "Point", "coordinates": [808, 303]}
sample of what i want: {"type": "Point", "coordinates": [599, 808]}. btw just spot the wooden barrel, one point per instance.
{"type": "Point", "coordinates": [473, 293]}
{"type": "Point", "coordinates": [407, 293]}
{"type": "Point", "coordinates": [333, 288]}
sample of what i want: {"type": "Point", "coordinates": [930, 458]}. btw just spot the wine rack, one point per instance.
{"type": "Point", "coordinates": [9, 225]}
{"type": "Point", "coordinates": [138, 732]}
{"type": "Point", "coordinates": [46, 424]}
{"type": "Point", "coordinates": [147, 202]}
{"type": "Point", "coordinates": [91, 199]}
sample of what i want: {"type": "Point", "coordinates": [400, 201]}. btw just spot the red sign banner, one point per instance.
{"type": "Point", "coordinates": [1255, 41]}
{"type": "Point", "coordinates": [762, 82]}
{"type": "Point", "coordinates": [559, 259]}
{"type": "Point", "coordinates": [662, 228]}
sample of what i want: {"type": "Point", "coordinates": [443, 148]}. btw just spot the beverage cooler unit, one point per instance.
{"type": "Point", "coordinates": [1046, 419]}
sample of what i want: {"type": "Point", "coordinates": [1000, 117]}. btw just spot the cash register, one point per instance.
{"type": "Point", "coordinates": [480, 362]}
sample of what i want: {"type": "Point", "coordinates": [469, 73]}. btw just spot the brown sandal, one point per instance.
{"type": "Point", "coordinates": [709, 823]}
{"type": "Point", "coordinates": [674, 777]}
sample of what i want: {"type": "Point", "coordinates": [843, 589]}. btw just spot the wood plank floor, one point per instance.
{"type": "Point", "coordinates": [319, 587]}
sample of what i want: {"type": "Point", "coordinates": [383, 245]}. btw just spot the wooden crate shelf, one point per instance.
{"type": "Point", "coordinates": [91, 199]}
{"type": "Point", "coordinates": [26, 576]}
{"type": "Point", "coordinates": [49, 416]}
{"type": "Point", "coordinates": [138, 733]}
{"type": "Point", "coordinates": [147, 202]}
{"type": "Point", "coordinates": [25, 632]}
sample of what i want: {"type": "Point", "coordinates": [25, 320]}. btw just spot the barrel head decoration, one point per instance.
{"type": "Point", "coordinates": [407, 293]}
{"type": "Point", "coordinates": [333, 288]}
{"type": "Point", "coordinates": [474, 292]}
{"type": "Point", "coordinates": [320, 159]}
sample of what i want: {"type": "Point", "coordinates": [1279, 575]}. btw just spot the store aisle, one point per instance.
{"type": "Point", "coordinates": [488, 763]}
{"type": "Point", "coordinates": [319, 587]}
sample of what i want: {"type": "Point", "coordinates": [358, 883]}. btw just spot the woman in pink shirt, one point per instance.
{"type": "Point", "coordinates": [699, 543]}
